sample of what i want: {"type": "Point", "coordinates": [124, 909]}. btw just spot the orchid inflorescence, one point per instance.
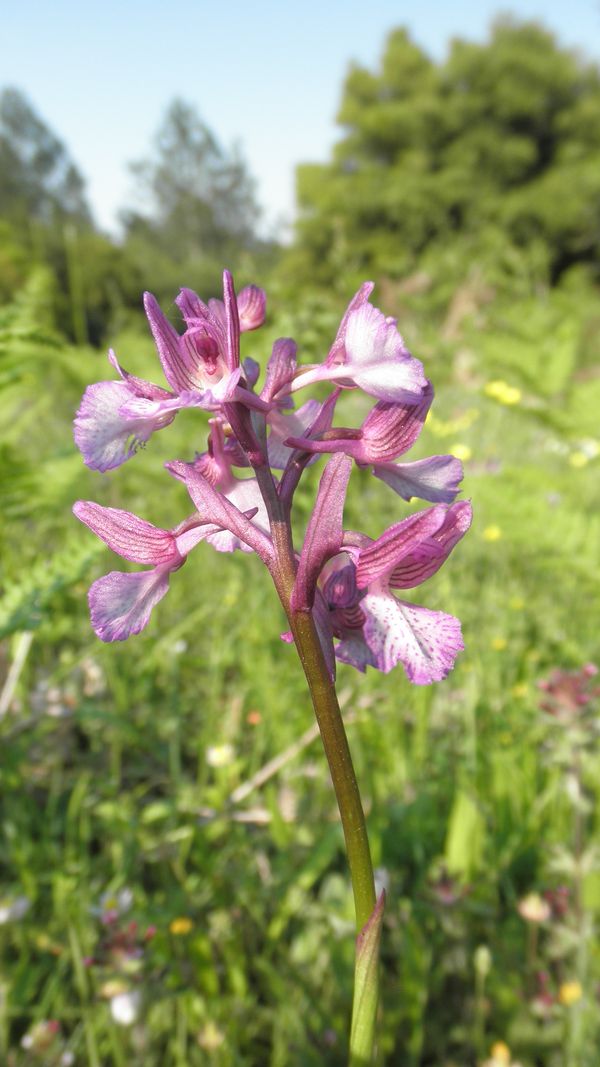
{"type": "Point", "coordinates": [343, 579]}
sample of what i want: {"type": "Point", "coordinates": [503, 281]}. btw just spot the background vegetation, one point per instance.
{"type": "Point", "coordinates": [162, 901]}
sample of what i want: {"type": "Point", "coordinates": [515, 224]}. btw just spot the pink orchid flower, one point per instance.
{"type": "Point", "coordinates": [202, 367]}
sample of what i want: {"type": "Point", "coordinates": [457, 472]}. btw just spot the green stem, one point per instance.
{"type": "Point", "coordinates": [337, 751]}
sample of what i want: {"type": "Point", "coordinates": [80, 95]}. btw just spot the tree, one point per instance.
{"type": "Point", "coordinates": [38, 180]}
{"type": "Point", "coordinates": [200, 197]}
{"type": "Point", "coordinates": [501, 141]}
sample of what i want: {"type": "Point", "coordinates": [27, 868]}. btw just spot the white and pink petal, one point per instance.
{"type": "Point", "coordinates": [425, 642]}
{"type": "Point", "coordinates": [436, 479]}
{"type": "Point", "coordinates": [121, 604]}
{"type": "Point", "coordinates": [113, 422]}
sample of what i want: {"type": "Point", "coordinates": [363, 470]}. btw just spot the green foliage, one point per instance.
{"type": "Point", "coordinates": [501, 138]}
{"type": "Point", "coordinates": [109, 781]}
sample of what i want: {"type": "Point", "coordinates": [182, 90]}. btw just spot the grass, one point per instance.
{"type": "Point", "coordinates": [475, 798]}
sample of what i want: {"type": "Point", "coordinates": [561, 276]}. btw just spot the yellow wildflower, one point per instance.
{"type": "Point", "coordinates": [461, 451]}
{"type": "Point", "coordinates": [492, 533]}
{"type": "Point", "coordinates": [516, 603]}
{"type": "Point", "coordinates": [498, 644]}
{"type": "Point", "coordinates": [519, 690]}
{"type": "Point", "coordinates": [503, 392]}
{"type": "Point", "coordinates": [570, 992]}
{"type": "Point", "coordinates": [450, 427]}
{"type": "Point", "coordinates": [500, 1052]}
{"type": "Point", "coordinates": [114, 987]}
{"type": "Point", "coordinates": [578, 460]}
{"type": "Point", "coordinates": [180, 927]}
{"type": "Point", "coordinates": [210, 1037]}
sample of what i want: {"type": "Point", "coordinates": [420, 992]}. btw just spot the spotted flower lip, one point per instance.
{"type": "Point", "coordinates": [374, 628]}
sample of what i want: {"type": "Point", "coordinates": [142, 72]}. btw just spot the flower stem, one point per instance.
{"type": "Point", "coordinates": [335, 743]}
{"type": "Point", "coordinates": [337, 751]}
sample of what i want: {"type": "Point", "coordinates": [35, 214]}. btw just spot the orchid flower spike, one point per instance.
{"type": "Point", "coordinates": [344, 581]}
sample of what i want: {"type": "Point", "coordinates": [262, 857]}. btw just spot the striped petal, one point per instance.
{"type": "Point", "coordinates": [126, 534]}
{"type": "Point", "coordinates": [378, 559]}
{"type": "Point", "coordinates": [323, 538]}
{"type": "Point", "coordinates": [251, 303]}
{"type": "Point", "coordinates": [427, 557]}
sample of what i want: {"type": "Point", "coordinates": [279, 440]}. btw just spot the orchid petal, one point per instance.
{"type": "Point", "coordinates": [280, 368]}
{"type": "Point", "coordinates": [376, 355]}
{"type": "Point", "coordinates": [168, 344]}
{"type": "Point", "coordinates": [251, 371]}
{"type": "Point", "coordinates": [193, 309]}
{"type": "Point", "coordinates": [339, 583]}
{"type": "Point", "coordinates": [105, 433]}
{"type": "Point", "coordinates": [389, 430]}
{"type": "Point", "coordinates": [121, 604]}
{"type": "Point", "coordinates": [126, 534]}
{"type": "Point", "coordinates": [283, 427]}
{"type": "Point", "coordinates": [397, 381]}
{"type": "Point", "coordinates": [232, 323]}
{"type": "Point", "coordinates": [379, 559]}
{"type": "Point", "coordinates": [436, 479]}
{"type": "Point", "coordinates": [251, 304]}
{"type": "Point", "coordinates": [359, 298]}
{"type": "Point", "coordinates": [354, 651]}
{"type": "Point", "coordinates": [139, 386]}
{"type": "Point", "coordinates": [324, 533]}
{"type": "Point", "coordinates": [425, 642]}
{"type": "Point", "coordinates": [427, 558]}
{"type": "Point", "coordinates": [214, 507]}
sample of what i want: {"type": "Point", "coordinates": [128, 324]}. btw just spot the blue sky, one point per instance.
{"type": "Point", "coordinates": [266, 74]}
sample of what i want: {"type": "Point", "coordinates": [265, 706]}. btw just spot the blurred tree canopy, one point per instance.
{"type": "Point", "coordinates": [199, 212]}
{"type": "Point", "coordinates": [200, 197]}
{"type": "Point", "coordinates": [45, 221]}
{"type": "Point", "coordinates": [482, 169]}
{"type": "Point", "coordinates": [38, 180]}
{"type": "Point", "coordinates": [498, 145]}
{"type": "Point", "coordinates": [200, 209]}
